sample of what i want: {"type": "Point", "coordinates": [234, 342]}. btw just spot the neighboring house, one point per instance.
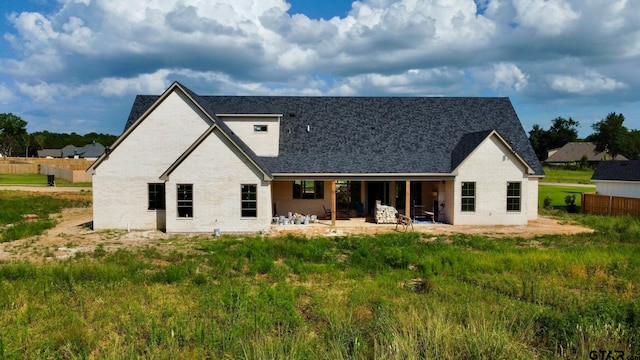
{"type": "Point", "coordinates": [573, 152]}
{"type": "Point", "coordinates": [618, 178]}
{"type": "Point", "coordinates": [190, 163]}
{"type": "Point", "coordinates": [90, 152]}
{"type": "Point", "coordinates": [50, 153]}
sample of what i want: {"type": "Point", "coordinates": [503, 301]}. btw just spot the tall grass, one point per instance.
{"type": "Point", "coordinates": [391, 296]}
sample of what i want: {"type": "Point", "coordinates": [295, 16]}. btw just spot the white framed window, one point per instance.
{"type": "Point", "coordinates": [260, 128]}
{"type": "Point", "coordinates": [249, 200]}
{"type": "Point", "coordinates": [185, 200]}
{"type": "Point", "coordinates": [514, 196]}
{"type": "Point", "coordinates": [468, 197]}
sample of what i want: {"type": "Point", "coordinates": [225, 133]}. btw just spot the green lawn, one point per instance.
{"type": "Point", "coordinates": [36, 180]}
{"type": "Point", "coordinates": [560, 175]}
{"type": "Point", "coordinates": [559, 193]}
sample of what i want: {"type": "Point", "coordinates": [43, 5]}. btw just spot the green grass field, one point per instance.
{"type": "Point", "coordinates": [36, 180]}
{"type": "Point", "coordinates": [390, 296]}
{"type": "Point", "coordinates": [560, 175]}
{"type": "Point", "coordinates": [15, 204]}
{"type": "Point", "coordinates": [559, 193]}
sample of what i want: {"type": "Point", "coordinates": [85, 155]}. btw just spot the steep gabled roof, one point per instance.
{"type": "Point", "coordinates": [372, 135]}
{"type": "Point", "coordinates": [470, 142]}
{"type": "Point", "coordinates": [617, 170]}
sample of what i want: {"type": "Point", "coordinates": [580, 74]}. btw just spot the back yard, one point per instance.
{"type": "Point", "coordinates": [478, 293]}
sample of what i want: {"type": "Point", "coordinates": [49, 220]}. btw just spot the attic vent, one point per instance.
{"type": "Point", "coordinates": [292, 115]}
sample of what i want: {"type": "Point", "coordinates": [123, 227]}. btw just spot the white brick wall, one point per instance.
{"type": "Point", "coordinates": [491, 166]}
{"type": "Point", "coordinates": [262, 143]}
{"type": "Point", "coordinates": [120, 183]}
{"type": "Point", "coordinates": [216, 169]}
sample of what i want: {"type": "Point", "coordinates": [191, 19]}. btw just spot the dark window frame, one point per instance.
{"type": "Point", "coordinates": [184, 197]}
{"type": "Point", "coordinates": [514, 196]}
{"type": "Point", "coordinates": [156, 196]}
{"type": "Point", "coordinates": [249, 200]}
{"type": "Point", "coordinates": [303, 190]}
{"type": "Point", "coordinates": [260, 128]}
{"type": "Point", "coordinates": [468, 196]}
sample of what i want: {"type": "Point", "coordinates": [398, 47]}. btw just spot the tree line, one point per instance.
{"type": "Point", "coordinates": [16, 141]}
{"type": "Point", "coordinates": [609, 136]}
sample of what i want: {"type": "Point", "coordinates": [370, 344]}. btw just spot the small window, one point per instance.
{"type": "Point", "coordinates": [468, 196]}
{"type": "Point", "coordinates": [308, 189]}
{"type": "Point", "coordinates": [185, 200]}
{"type": "Point", "coordinates": [156, 197]}
{"type": "Point", "coordinates": [260, 128]}
{"type": "Point", "coordinates": [249, 202]}
{"type": "Point", "coordinates": [513, 196]}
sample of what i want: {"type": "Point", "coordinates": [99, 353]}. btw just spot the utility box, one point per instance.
{"type": "Point", "coordinates": [51, 180]}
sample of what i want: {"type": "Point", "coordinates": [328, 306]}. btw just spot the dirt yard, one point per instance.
{"type": "Point", "coordinates": [73, 235]}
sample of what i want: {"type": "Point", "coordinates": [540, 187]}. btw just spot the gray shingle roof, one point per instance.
{"type": "Point", "coordinates": [618, 170]}
{"type": "Point", "coordinates": [369, 135]}
{"type": "Point", "coordinates": [574, 151]}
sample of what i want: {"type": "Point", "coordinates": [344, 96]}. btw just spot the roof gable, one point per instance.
{"type": "Point", "coordinates": [215, 127]}
{"type": "Point", "coordinates": [141, 109]}
{"type": "Point", "coordinates": [617, 170]}
{"type": "Point", "coordinates": [470, 142]}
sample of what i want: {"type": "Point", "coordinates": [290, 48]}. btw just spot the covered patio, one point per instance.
{"type": "Point", "coordinates": [338, 199]}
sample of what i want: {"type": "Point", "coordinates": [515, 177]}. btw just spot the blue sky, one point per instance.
{"type": "Point", "coordinates": [76, 65]}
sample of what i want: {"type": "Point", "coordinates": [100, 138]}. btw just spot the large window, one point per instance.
{"type": "Point", "coordinates": [468, 196]}
{"type": "Point", "coordinates": [308, 189]}
{"type": "Point", "coordinates": [185, 200]}
{"type": "Point", "coordinates": [513, 196]}
{"type": "Point", "coordinates": [156, 197]}
{"type": "Point", "coordinates": [249, 200]}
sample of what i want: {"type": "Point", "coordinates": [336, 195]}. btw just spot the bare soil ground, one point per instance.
{"type": "Point", "coordinates": [73, 234]}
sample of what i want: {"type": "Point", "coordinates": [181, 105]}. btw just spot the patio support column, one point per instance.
{"type": "Point", "coordinates": [363, 197]}
{"type": "Point", "coordinates": [333, 203]}
{"type": "Point", "coordinates": [392, 193]}
{"type": "Point", "coordinates": [407, 198]}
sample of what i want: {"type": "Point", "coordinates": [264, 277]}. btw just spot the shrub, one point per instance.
{"type": "Point", "coordinates": [547, 203]}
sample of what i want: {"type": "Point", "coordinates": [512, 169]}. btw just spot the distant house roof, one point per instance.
{"type": "Point", "coordinates": [92, 150]}
{"type": "Point", "coordinates": [617, 170]}
{"type": "Point", "coordinates": [371, 135]}
{"type": "Point", "coordinates": [54, 153]}
{"type": "Point", "coordinates": [574, 151]}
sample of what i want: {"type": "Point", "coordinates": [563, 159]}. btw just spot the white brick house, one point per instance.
{"type": "Point", "coordinates": [190, 163]}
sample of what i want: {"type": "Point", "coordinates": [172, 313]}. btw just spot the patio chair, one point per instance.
{"type": "Point", "coordinates": [327, 212]}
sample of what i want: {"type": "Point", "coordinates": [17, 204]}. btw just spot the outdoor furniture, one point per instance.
{"type": "Point", "coordinates": [404, 221]}
{"type": "Point", "coordinates": [327, 212]}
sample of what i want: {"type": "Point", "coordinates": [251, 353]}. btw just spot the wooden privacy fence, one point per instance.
{"type": "Point", "coordinates": [610, 205]}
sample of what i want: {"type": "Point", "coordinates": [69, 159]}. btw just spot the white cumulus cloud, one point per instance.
{"type": "Point", "coordinates": [589, 83]}
{"type": "Point", "coordinates": [508, 76]}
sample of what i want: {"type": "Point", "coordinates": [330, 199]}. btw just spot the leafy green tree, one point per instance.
{"type": "Point", "coordinates": [610, 135]}
{"type": "Point", "coordinates": [632, 145]}
{"type": "Point", "coordinates": [12, 132]}
{"type": "Point", "coordinates": [561, 132]}
{"type": "Point", "coordinates": [539, 141]}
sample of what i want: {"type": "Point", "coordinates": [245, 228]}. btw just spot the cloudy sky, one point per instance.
{"type": "Point", "coordinates": [76, 65]}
